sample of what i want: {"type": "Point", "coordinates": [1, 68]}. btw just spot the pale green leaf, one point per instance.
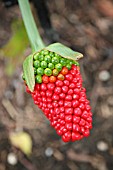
{"type": "Point", "coordinates": [64, 51]}
{"type": "Point", "coordinates": [29, 72]}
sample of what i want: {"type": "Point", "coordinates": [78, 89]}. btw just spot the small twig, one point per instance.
{"type": "Point", "coordinates": [10, 109]}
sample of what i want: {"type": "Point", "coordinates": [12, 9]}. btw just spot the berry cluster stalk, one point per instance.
{"type": "Point", "coordinates": [30, 25]}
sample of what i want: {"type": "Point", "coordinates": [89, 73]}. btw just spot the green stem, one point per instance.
{"type": "Point", "coordinates": [32, 31]}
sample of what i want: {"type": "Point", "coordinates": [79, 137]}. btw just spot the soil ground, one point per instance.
{"type": "Point", "coordinates": [87, 27]}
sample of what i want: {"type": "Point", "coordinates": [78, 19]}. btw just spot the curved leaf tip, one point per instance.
{"type": "Point", "coordinates": [29, 72]}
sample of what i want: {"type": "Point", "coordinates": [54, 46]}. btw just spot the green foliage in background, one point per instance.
{"type": "Point", "coordinates": [15, 47]}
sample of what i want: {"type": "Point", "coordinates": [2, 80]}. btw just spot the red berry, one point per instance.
{"type": "Point", "coordinates": [50, 86]}
{"type": "Point", "coordinates": [73, 72]}
{"type": "Point", "coordinates": [62, 115]}
{"type": "Point", "coordinates": [42, 93]}
{"type": "Point", "coordinates": [61, 102]}
{"type": "Point", "coordinates": [75, 103]}
{"type": "Point", "coordinates": [62, 95]}
{"type": "Point", "coordinates": [76, 91]}
{"type": "Point", "coordinates": [64, 89]}
{"type": "Point", "coordinates": [43, 87]}
{"type": "Point", "coordinates": [68, 97]}
{"type": "Point", "coordinates": [72, 86]}
{"type": "Point", "coordinates": [57, 90]}
{"type": "Point", "coordinates": [37, 86]}
{"type": "Point", "coordinates": [69, 126]}
{"type": "Point", "coordinates": [75, 136]}
{"type": "Point", "coordinates": [68, 118]}
{"type": "Point", "coordinates": [76, 119]}
{"type": "Point", "coordinates": [75, 96]}
{"type": "Point", "coordinates": [49, 99]}
{"type": "Point", "coordinates": [55, 104]}
{"type": "Point", "coordinates": [59, 83]}
{"type": "Point", "coordinates": [66, 82]}
{"type": "Point", "coordinates": [76, 128]}
{"type": "Point", "coordinates": [77, 112]}
{"type": "Point", "coordinates": [55, 97]}
{"type": "Point", "coordinates": [61, 109]}
{"type": "Point", "coordinates": [68, 110]}
{"type": "Point", "coordinates": [70, 91]}
{"type": "Point", "coordinates": [49, 93]}
{"type": "Point", "coordinates": [69, 77]}
{"type": "Point", "coordinates": [67, 104]}
{"type": "Point", "coordinates": [82, 106]}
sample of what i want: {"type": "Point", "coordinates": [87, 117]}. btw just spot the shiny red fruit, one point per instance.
{"type": "Point", "coordinates": [76, 119]}
{"type": "Point", "coordinates": [68, 110]}
{"type": "Point", "coordinates": [43, 87]}
{"type": "Point", "coordinates": [67, 104]}
{"type": "Point", "coordinates": [42, 93]}
{"type": "Point", "coordinates": [55, 97]}
{"type": "Point", "coordinates": [75, 103]}
{"type": "Point", "coordinates": [59, 83]}
{"type": "Point", "coordinates": [66, 82]}
{"type": "Point", "coordinates": [75, 136]}
{"type": "Point", "coordinates": [50, 86]}
{"type": "Point", "coordinates": [77, 112]}
{"type": "Point", "coordinates": [57, 90]}
{"type": "Point", "coordinates": [69, 77]}
{"type": "Point", "coordinates": [64, 89]}
{"type": "Point", "coordinates": [75, 96]}
{"type": "Point", "coordinates": [61, 109]}
{"type": "Point", "coordinates": [68, 97]}
{"type": "Point", "coordinates": [69, 126]}
{"type": "Point", "coordinates": [76, 127]}
{"type": "Point", "coordinates": [61, 102]}
{"type": "Point", "coordinates": [62, 95]}
{"type": "Point", "coordinates": [72, 86]}
{"type": "Point", "coordinates": [55, 104]}
{"type": "Point", "coordinates": [49, 93]}
{"type": "Point", "coordinates": [70, 91]}
{"type": "Point", "coordinates": [68, 118]}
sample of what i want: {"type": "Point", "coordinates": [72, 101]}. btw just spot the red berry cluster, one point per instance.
{"type": "Point", "coordinates": [65, 104]}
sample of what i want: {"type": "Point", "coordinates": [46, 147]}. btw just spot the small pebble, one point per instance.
{"type": "Point", "coordinates": [102, 146]}
{"type": "Point", "coordinates": [49, 152]}
{"type": "Point", "coordinates": [104, 75]}
{"type": "Point", "coordinates": [12, 159]}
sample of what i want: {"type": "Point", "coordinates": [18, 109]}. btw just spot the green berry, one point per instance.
{"type": "Point", "coordinates": [58, 67]}
{"type": "Point", "coordinates": [40, 71]}
{"type": "Point", "coordinates": [48, 72]}
{"type": "Point", "coordinates": [46, 52]}
{"type": "Point", "coordinates": [51, 54]}
{"type": "Point", "coordinates": [42, 52]}
{"type": "Point", "coordinates": [51, 66]}
{"type": "Point", "coordinates": [76, 63]}
{"type": "Point", "coordinates": [71, 62]}
{"type": "Point", "coordinates": [35, 57]}
{"type": "Point", "coordinates": [23, 77]}
{"type": "Point", "coordinates": [68, 66]}
{"type": "Point", "coordinates": [35, 71]}
{"type": "Point", "coordinates": [47, 58]}
{"type": "Point", "coordinates": [38, 79]}
{"type": "Point", "coordinates": [55, 60]}
{"type": "Point", "coordinates": [41, 57]}
{"type": "Point", "coordinates": [63, 61]}
{"type": "Point", "coordinates": [44, 64]}
{"type": "Point", "coordinates": [36, 63]}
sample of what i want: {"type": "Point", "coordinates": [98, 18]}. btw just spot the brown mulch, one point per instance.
{"type": "Point", "coordinates": [85, 26]}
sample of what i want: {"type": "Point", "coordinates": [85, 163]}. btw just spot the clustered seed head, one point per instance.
{"type": "Point", "coordinates": [61, 96]}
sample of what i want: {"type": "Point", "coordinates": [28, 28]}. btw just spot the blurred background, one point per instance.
{"type": "Point", "coordinates": [85, 26]}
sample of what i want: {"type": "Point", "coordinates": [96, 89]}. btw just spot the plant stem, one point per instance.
{"type": "Point", "coordinates": [30, 25]}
